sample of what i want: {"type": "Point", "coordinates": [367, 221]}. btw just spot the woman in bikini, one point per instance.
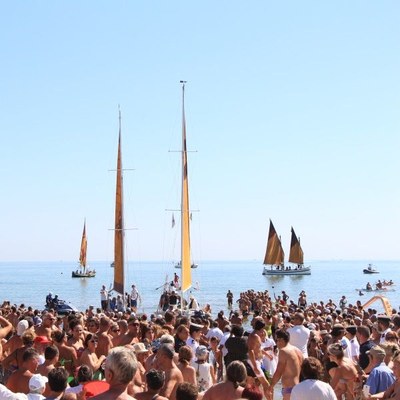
{"type": "Point", "coordinates": [89, 356]}
{"type": "Point", "coordinates": [67, 354]}
{"type": "Point", "coordinates": [77, 339]}
{"type": "Point", "coordinates": [344, 375]}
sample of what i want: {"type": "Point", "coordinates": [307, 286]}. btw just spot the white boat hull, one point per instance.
{"type": "Point", "coordinates": [293, 271]}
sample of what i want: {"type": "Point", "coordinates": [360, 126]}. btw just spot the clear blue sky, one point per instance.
{"type": "Point", "coordinates": [293, 108]}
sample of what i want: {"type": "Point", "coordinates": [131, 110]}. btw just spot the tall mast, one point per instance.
{"type": "Point", "coordinates": [186, 277]}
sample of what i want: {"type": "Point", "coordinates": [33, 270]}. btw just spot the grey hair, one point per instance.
{"type": "Point", "coordinates": [122, 362]}
{"type": "Point", "coordinates": [168, 350]}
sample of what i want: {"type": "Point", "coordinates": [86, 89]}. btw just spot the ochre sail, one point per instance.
{"type": "Point", "coordinates": [185, 212]}
{"type": "Point", "coordinates": [296, 255]}
{"type": "Point", "coordinates": [119, 224]}
{"type": "Point", "coordinates": [274, 254]}
{"type": "Point", "coordinates": [82, 255]}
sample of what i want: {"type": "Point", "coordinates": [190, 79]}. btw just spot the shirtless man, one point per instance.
{"type": "Point", "coordinates": [173, 376]}
{"type": "Point", "coordinates": [131, 337]}
{"type": "Point", "coordinates": [289, 364]}
{"type": "Point", "coordinates": [255, 356]}
{"type": "Point", "coordinates": [230, 389]}
{"type": "Point", "coordinates": [104, 344]}
{"type": "Point", "coordinates": [47, 327]}
{"type": "Point", "coordinates": [19, 380]}
{"type": "Point", "coordinates": [5, 327]}
{"type": "Point", "coordinates": [155, 381]}
{"type": "Point", "coordinates": [120, 368]}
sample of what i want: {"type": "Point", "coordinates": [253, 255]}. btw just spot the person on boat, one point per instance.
{"type": "Point", "coordinates": [173, 299]}
{"type": "Point", "coordinates": [54, 302]}
{"type": "Point", "coordinates": [193, 304]}
{"type": "Point", "coordinates": [49, 300]}
{"type": "Point", "coordinates": [134, 297]}
{"type": "Point", "coordinates": [379, 284]}
{"type": "Point", "coordinates": [176, 280]}
{"type": "Point", "coordinates": [369, 286]}
{"type": "Point", "coordinates": [104, 298]}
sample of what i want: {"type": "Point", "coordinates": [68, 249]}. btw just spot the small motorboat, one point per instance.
{"type": "Point", "coordinates": [370, 270]}
{"type": "Point", "coordinates": [61, 306]}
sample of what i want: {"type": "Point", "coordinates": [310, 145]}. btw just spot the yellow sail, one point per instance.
{"type": "Point", "coordinates": [186, 277]}
{"type": "Point", "coordinates": [119, 224]}
{"type": "Point", "coordinates": [82, 255]}
{"type": "Point", "coordinates": [274, 254]}
{"type": "Point", "coordinates": [296, 255]}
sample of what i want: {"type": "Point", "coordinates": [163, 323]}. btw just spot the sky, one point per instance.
{"type": "Point", "coordinates": [292, 110]}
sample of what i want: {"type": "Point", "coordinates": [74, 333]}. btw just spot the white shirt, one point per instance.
{"type": "Point", "coordinates": [134, 294]}
{"type": "Point", "coordinates": [216, 332]}
{"type": "Point", "coordinates": [103, 294]}
{"type": "Point", "coordinates": [354, 349]}
{"type": "Point", "coordinates": [193, 344]}
{"type": "Point", "coordinates": [312, 389]}
{"type": "Point", "coordinates": [299, 335]}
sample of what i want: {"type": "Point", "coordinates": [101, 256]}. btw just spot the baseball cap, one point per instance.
{"type": "Point", "coordinates": [201, 352]}
{"type": "Point", "coordinates": [22, 327]}
{"type": "Point", "coordinates": [37, 382]}
{"type": "Point", "coordinates": [42, 340]}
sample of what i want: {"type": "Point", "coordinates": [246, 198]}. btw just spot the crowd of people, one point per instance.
{"type": "Point", "coordinates": [308, 350]}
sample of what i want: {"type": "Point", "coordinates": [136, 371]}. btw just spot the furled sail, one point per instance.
{"type": "Point", "coordinates": [119, 224]}
{"type": "Point", "coordinates": [186, 277]}
{"type": "Point", "coordinates": [274, 254]}
{"type": "Point", "coordinates": [82, 255]}
{"type": "Point", "coordinates": [296, 255]}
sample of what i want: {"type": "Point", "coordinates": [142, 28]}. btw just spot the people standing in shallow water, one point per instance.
{"type": "Point", "coordinates": [229, 296]}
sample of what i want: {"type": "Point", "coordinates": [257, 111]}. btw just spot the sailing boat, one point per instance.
{"type": "Point", "coordinates": [82, 272]}
{"type": "Point", "coordinates": [186, 273]}
{"type": "Point", "coordinates": [274, 256]}
{"type": "Point", "coordinates": [119, 233]}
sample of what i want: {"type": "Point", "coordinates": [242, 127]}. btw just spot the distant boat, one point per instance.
{"type": "Point", "coordinates": [179, 265]}
{"type": "Point", "coordinates": [370, 270]}
{"type": "Point", "coordinates": [83, 271]}
{"type": "Point", "coordinates": [274, 256]}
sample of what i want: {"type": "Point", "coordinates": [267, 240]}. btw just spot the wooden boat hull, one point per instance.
{"type": "Point", "coordinates": [383, 290]}
{"type": "Point", "coordinates": [90, 274]}
{"type": "Point", "coordinates": [370, 271]}
{"type": "Point", "coordinates": [293, 271]}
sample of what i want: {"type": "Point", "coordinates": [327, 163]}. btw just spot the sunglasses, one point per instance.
{"type": "Point", "coordinates": [93, 341]}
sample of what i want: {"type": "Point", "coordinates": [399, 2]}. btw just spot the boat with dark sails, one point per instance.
{"type": "Point", "coordinates": [274, 256]}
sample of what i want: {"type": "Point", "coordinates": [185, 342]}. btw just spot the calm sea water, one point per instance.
{"type": "Point", "coordinates": [30, 282]}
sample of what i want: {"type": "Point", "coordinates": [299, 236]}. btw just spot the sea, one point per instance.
{"type": "Point", "coordinates": [30, 282]}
